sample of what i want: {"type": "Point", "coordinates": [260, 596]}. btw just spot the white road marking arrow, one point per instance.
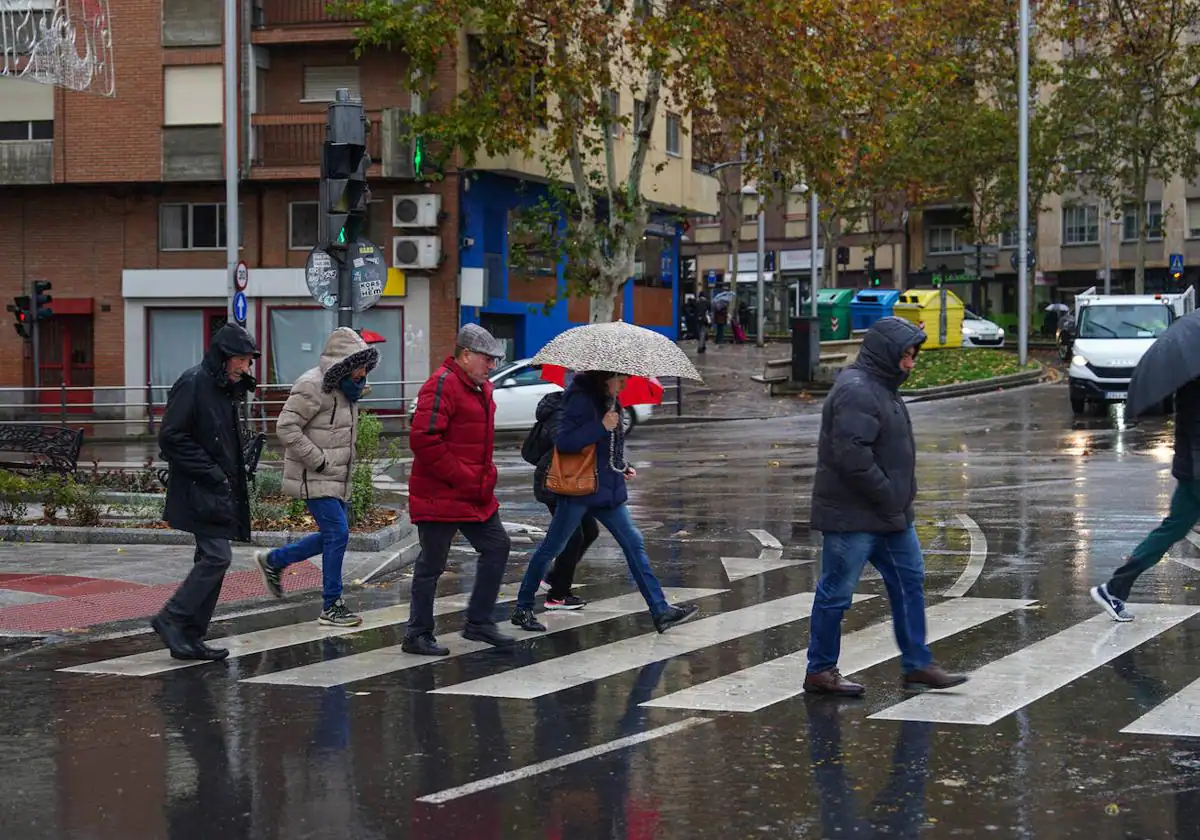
{"type": "Point", "coordinates": [768, 559]}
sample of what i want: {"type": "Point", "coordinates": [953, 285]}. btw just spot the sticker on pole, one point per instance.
{"type": "Point", "coordinates": [368, 274]}
{"type": "Point", "coordinates": [321, 276]}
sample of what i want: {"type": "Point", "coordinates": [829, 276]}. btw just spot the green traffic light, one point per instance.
{"type": "Point", "coordinates": [342, 236]}
{"type": "Point", "coordinates": [418, 155]}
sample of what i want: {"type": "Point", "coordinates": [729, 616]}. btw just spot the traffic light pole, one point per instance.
{"type": "Point", "coordinates": [232, 222]}
{"type": "Point", "coordinates": [33, 337]}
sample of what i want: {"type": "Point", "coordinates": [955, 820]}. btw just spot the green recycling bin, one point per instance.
{"type": "Point", "coordinates": [833, 308]}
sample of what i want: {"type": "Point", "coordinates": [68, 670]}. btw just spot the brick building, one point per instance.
{"type": "Point", "coordinates": [120, 203]}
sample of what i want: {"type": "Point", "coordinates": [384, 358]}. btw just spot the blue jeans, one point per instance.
{"type": "Point", "coordinates": [330, 542]}
{"type": "Point", "coordinates": [620, 524]}
{"type": "Point", "coordinates": [898, 558]}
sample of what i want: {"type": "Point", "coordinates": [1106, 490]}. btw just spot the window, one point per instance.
{"type": "Point", "coordinates": [648, 261]}
{"type": "Point", "coordinates": [31, 130]}
{"type": "Point", "coordinates": [297, 337]}
{"type": "Point", "coordinates": [523, 375]}
{"type": "Point", "coordinates": [303, 223]}
{"type": "Point", "coordinates": [945, 240]}
{"type": "Point", "coordinates": [1081, 224]}
{"type": "Point", "coordinates": [613, 103]}
{"type": "Point", "coordinates": [193, 95]}
{"type": "Point", "coordinates": [1131, 221]}
{"type": "Point", "coordinates": [1193, 218]}
{"type": "Point", "coordinates": [193, 227]}
{"type": "Point", "coordinates": [707, 221]}
{"type": "Point", "coordinates": [177, 339]}
{"type": "Point", "coordinates": [674, 127]}
{"type": "Point", "coordinates": [320, 83]}
{"type": "Point", "coordinates": [22, 103]}
{"type": "Point", "coordinates": [639, 114]}
{"type": "Point", "coordinates": [22, 25]}
{"type": "Point", "coordinates": [1009, 238]}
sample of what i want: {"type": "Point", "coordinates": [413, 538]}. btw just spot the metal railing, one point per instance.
{"type": "Point", "coordinates": [65, 405]}
{"type": "Point", "coordinates": [296, 139]}
{"type": "Point", "coordinates": [291, 12]}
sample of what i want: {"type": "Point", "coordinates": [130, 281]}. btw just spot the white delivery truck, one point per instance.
{"type": "Point", "coordinates": [1111, 334]}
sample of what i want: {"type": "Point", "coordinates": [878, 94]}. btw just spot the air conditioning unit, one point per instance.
{"type": "Point", "coordinates": [416, 211]}
{"type": "Point", "coordinates": [420, 252]}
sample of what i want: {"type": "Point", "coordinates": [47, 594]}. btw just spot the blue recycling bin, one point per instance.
{"type": "Point", "coordinates": [870, 305]}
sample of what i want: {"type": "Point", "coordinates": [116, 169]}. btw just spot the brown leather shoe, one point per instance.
{"type": "Point", "coordinates": [831, 682]}
{"type": "Point", "coordinates": [932, 677]}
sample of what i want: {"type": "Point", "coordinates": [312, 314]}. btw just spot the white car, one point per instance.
{"type": "Point", "coordinates": [980, 332]}
{"type": "Point", "coordinates": [519, 388]}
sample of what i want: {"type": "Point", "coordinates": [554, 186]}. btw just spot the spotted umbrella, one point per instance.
{"type": "Point", "coordinates": [620, 348]}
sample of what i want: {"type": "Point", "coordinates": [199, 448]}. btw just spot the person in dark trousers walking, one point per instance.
{"type": "Point", "coordinates": [201, 442]}
{"type": "Point", "coordinates": [318, 427]}
{"type": "Point", "coordinates": [539, 450]}
{"type": "Point", "coordinates": [703, 321]}
{"type": "Point", "coordinates": [862, 503]}
{"type": "Point", "coordinates": [452, 489]}
{"type": "Point", "coordinates": [1183, 515]}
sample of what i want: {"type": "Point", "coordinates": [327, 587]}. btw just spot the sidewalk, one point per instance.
{"type": "Point", "coordinates": [51, 588]}
{"type": "Point", "coordinates": [728, 393]}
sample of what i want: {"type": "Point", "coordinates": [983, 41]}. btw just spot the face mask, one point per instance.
{"type": "Point", "coordinates": [353, 390]}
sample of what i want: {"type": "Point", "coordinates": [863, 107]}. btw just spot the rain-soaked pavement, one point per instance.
{"type": "Point", "coordinates": [603, 729]}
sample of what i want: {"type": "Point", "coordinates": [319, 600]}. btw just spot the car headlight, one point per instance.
{"type": "Point", "coordinates": [1000, 333]}
{"type": "Point", "coordinates": [1078, 360]}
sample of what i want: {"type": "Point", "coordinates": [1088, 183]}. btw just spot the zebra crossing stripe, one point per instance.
{"type": "Point", "coordinates": [260, 641]}
{"type": "Point", "coordinates": [1178, 716]}
{"type": "Point", "coordinates": [781, 679]}
{"type": "Point", "coordinates": [376, 663]}
{"type": "Point", "coordinates": [1009, 684]}
{"type": "Point", "coordinates": [608, 660]}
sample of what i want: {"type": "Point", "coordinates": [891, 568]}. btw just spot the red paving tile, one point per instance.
{"type": "Point", "coordinates": [85, 610]}
{"type": "Point", "coordinates": [66, 586]}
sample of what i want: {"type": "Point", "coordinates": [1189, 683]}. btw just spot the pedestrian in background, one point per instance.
{"type": "Point", "coordinates": [452, 489]}
{"type": "Point", "coordinates": [862, 503]}
{"type": "Point", "coordinates": [539, 451]}
{"type": "Point", "coordinates": [200, 439]}
{"type": "Point", "coordinates": [318, 427]}
{"type": "Point", "coordinates": [592, 417]}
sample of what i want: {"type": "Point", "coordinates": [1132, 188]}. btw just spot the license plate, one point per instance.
{"type": "Point", "coordinates": [1115, 395]}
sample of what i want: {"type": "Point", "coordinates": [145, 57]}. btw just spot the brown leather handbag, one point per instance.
{"type": "Point", "coordinates": [573, 473]}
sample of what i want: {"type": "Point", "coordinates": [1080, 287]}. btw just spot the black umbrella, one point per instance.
{"type": "Point", "coordinates": [1172, 361]}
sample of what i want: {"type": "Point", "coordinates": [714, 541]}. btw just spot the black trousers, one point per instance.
{"type": "Point", "coordinates": [194, 601]}
{"type": "Point", "coordinates": [489, 539]}
{"type": "Point", "coordinates": [562, 573]}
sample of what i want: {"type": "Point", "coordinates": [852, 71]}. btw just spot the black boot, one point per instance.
{"type": "Point", "coordinates": [487, 633]}
{"type": "Point", "coordinates": [424, 645]}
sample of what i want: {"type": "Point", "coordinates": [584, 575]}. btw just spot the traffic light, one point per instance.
{"type": "Point", "coordinates": [42, 299]}
{"type": "Point", "coordinates": [873, 279]}
{"type": "Point", "coordinates": [20, 310]}
{"type": "Point", "coordinates": [344, 194]}
{"type": "Point", "coordinates": [1176, 280]}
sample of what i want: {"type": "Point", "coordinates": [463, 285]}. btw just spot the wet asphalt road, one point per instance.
{"type": "Point", "coordinates": [1047, 503]}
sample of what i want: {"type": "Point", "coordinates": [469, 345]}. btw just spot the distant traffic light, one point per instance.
{"type": "Point", "coordinates": [42, 299]}
{"type": "Point", "coordinates": [873, 278]}
{"type": "Point", "coordinates": [344, 194]}
{"type": "Point", "coordinates": [20, 310]}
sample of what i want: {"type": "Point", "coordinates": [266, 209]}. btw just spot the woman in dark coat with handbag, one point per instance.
{"type": "Point", "coordinates": [591, 421]}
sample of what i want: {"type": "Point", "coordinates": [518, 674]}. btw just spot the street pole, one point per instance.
{"type": "Point", "coordinates": [814, 229]}
{"type": "Point", "coordinates": [762, 284]}
{"type": "Point", "coordinates": [1023, 193]}
{"type": "Point", "coordinates": [37, 348]}
{"type": "Point", "coordinates": [232, 222]}
{"type": "Point", "coordinates": [1105, 232]}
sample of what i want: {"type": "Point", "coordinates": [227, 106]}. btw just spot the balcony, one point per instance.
{"type": "Point", "coordinates": [26, 162]}
{"type": "Point", "coordinates": [193, 153]}
{"type": "Point", "coordinates": [299, 22]}
{"type": "Point", "coordinates": [289, 145]}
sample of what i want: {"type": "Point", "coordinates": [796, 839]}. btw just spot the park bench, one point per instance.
{"type": "Point", "coordinates": [780, 370]}
{"type": "Point", "coordinates": [43, 448]}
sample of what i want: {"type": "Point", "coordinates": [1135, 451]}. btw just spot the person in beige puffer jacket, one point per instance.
{"type": "Point", "coordinates": [318, 427]}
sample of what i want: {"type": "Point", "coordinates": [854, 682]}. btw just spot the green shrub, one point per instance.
{"type": "Point", "coordinates": [84, 506]}
{"type": "Point", "coordinates": [56, 493]}
{"type": "Point", "coordinates": [370, 427]}
{"type": "Point", "coordinates": [269, 482]}
{"type": "Point", "coordinates": [14, 489]}
{"type": "Point", "coordinates": [362, 492]}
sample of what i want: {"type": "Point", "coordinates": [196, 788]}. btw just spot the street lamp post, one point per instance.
{"type": "Point", "coordinates": [232, 222]}
{"type": "Point", "coordinates": [1023, 191]}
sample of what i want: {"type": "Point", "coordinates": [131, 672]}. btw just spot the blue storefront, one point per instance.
{"type": "Point", "coordinates": [515, 305]}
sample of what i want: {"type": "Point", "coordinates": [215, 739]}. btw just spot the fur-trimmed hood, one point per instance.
{"type": "Point", "coordinates": [345, 351]}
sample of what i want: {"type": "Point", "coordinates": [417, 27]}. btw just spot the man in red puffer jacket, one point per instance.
{"type": "Point", "coordinates": [452, 488]}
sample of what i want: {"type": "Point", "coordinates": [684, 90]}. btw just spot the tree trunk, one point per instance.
{"type": "Point", "coordinates": [603, 307]}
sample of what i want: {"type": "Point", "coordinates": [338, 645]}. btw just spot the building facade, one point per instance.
{"type": "Point", "coordinates": [120, 204]}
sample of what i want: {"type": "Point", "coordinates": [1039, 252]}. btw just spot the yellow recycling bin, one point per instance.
{"type": "Point", "coordinates": [924, 308]}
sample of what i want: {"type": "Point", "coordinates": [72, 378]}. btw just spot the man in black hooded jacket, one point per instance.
{"type": "Point", "coordinates": [201, 442]}
{"type": "Point", "coordinates": [862, 503]}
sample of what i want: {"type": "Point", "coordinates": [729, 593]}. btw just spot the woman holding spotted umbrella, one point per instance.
{"type": "Point", "coordinates": [607, 355]}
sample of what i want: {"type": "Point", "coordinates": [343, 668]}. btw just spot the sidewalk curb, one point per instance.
{"type": "Point", "coordinates": [402, 558]}
{"type": "Point", "coordinates": [980, 386]}
{"type": "Point", "coordinates": [379, 540]}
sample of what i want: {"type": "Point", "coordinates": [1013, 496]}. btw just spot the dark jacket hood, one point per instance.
{"type": "Point", "coordinates": [230, 340]}
{"type": "Point", "coordinates": [883, 346]}
{"type": "Point", "coordinates": [548, 405]}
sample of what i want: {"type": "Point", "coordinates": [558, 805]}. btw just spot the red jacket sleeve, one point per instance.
{"type": "Point", "coordinates": [427, 432]}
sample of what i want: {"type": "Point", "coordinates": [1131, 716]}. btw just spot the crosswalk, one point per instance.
{"type": "Point", "coordinates": [1020, 669]}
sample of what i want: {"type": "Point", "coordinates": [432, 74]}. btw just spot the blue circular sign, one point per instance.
{"type": "Point", "coordinates": [239, 308]}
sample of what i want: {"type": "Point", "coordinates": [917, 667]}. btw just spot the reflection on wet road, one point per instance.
{"type": "Point", "coordinates": [1073, 726]}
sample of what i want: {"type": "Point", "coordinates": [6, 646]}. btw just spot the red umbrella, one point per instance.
{"type": "Point", "coordinates": [371, 337]}
{"type": "Point", "coordinates": [638, 390]}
